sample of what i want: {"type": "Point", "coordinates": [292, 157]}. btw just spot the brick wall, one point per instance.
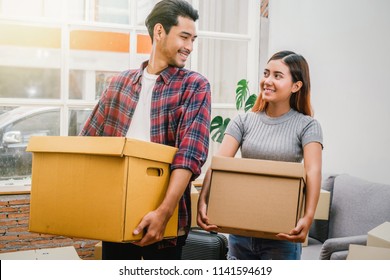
{"type": "Point", "coordinates": [14, 234]}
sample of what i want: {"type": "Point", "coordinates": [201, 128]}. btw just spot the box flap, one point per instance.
{"type": "Point", "coordinates": [256, 166]}
{"type": "Point", "coordinates": [149, 150]}
{"type": "Point", "coordinates": [77, 145]}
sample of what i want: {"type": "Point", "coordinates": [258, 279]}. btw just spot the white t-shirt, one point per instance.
{"type": "Point", "coordinates": [140, 124]}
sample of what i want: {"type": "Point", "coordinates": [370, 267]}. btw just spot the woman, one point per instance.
{"type": "Point", "coordinates": [280, 127]}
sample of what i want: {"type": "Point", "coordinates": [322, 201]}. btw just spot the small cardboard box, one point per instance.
{"type": "Point", "coordinates": [361, 252]}
{"type": "Point", "coordinates": [379, 236]}
{"type": "Point", "coordinates": [255, 198]}
{"type": "Point", "coordinates": [322, 210]}
{"type": "Point", "coordinates": [194, 205]}
{"type": "Point", "coordinates": [97, 187]}
{"type": "Point", "coordinates": [60, 253]}
{"type": "Point", "coordinates": [98, 252]}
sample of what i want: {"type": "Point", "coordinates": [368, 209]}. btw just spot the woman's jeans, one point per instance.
{"type": "Point", "coordinates": [249, 248]}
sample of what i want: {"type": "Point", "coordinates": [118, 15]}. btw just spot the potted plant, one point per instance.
{"type": "Point", "coordinates": [243, 99]}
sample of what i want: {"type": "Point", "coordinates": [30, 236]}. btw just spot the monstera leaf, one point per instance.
{"type": "Point", "coordinates": [250, 102]}
{"type": "Point", "coordinates": [242, 92]}
{"type": "Point", "coordinates": [243, 99]}
{"type": "Point", "coordinates": [218, 127]}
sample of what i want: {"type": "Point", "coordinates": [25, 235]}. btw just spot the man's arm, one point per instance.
{"type": "Point", "coordinates": [156, 221]}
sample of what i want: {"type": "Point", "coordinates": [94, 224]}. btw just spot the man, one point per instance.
{"type": "Point", "coordinates": [164, 103]}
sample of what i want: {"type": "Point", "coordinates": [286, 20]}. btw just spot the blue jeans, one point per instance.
{"type": "Point", "coordinates": [249, 248]}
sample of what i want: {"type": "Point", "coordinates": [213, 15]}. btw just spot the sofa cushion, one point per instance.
{"type": "Point", "coordinates": [357, 206]}
{"type": "Point", "coordinates": [340, 244]}
{"type": "Point", "coordinates": [340, 255]}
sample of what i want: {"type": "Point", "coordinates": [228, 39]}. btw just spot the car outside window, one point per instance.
{"type": "Point", "coordinates": [18, 127]}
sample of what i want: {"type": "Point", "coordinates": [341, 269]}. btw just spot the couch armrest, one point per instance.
{"type": "Point", "coordinates": [333, 245]}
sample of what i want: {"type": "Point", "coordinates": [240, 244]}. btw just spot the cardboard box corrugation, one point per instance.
{"type": "Point", "coordinates": [97, 187]}
{"type": "Point", "coordinates": [256, 198]}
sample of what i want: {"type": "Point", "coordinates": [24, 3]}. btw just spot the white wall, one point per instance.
{"type": "Point", "coordinates": [347, 45]}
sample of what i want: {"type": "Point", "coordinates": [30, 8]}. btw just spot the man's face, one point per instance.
{"type": "Point", "coordinates": [178, 44]}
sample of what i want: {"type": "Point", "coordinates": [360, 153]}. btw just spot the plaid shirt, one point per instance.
{"type": "Point", "coordinates": [180, 117]}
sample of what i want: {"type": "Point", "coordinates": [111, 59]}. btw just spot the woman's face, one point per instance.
{"type": "Point", "coordinates": [277, 84]}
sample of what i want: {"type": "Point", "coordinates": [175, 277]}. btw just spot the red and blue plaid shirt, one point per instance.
{"type": "Point", "coordinates": [180, 117]}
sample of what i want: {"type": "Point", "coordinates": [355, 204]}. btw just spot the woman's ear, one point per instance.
{"type": "Point", "coordinates": [297, 86]}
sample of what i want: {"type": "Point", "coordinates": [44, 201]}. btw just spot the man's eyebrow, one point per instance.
{"type": "Point", "coordinates": [189, 34]}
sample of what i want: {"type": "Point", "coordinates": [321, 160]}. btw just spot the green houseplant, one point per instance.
{"type": "Point", "coordinates": [243, 100]}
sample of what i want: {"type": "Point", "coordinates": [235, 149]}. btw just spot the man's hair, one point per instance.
{"type": "Point", "coordinates": [166, 12]}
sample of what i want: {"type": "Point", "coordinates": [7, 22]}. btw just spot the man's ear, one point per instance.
{"type": "Point", "coordinates": [297, 86]}
{"type": "Point", "coordinates": [158, 31]}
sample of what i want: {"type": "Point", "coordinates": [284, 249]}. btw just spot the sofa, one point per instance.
{"type": "Point", "coordinates": [356, 207]}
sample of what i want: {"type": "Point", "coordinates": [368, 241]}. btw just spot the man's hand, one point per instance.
{"type": "Point", "coordinates": [153, 224]}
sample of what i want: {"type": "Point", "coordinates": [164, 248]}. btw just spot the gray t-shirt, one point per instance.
{"type": "Point", "coordinates": [281, 138]}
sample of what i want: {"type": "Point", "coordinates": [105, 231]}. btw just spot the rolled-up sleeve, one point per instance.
{"type": "Point", "coordinates": [194, 130]}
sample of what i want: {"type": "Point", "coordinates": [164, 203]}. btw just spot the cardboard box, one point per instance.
{"type": "Point", "coordinates": [60, 253]}
{"type": "Point", "coordinates": [98, 253]}
{"type": "Point", "coordinates": [97, 187]}
{"type": "Point", "coordinates": [322, 210]}
{"type": "Point", "coordinates": [194, 205]}
{"type": "Point", "coordinates": [361, 252]}
{"type": "Point", "coordinates": [256, 198]}
{"type": "Point", "coordinates": [379, 236]}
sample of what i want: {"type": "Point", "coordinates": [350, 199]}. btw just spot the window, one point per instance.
{"type": "Point", "coordinates": [60, 55]}
{"type": "Point", "coordinates": [16, 128]}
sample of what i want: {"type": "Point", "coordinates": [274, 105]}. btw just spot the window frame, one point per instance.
{"type": "Point", "coordinates": [65, 104]}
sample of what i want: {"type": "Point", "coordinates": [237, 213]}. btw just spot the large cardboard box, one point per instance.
{"type": "Point", "coordinates": [59, 253]}
{"type": "Point", "coordinates": [379, 236]}
{"type": "Point", "coordinates": [256, 198]}
{"type": "Point", "coordinates": [97, 187]}
{"type": "Point", "coordinates": [361, 252]}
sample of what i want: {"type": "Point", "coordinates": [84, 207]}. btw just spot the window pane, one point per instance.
{"type": "Point", "coordinates": [31, 8]}
{"type": "Point", "coordinates": [88, 85]}
{"type": "Point", "coordinates": [114, 11]}
{"type": "Point", "coordinates": [77, 118]}
{"type": "Point", "coordinates": [95, 56]}
{"type": "Point", "coordinates": [223, 73]}
{"type": "Point", "coordinates": [76, 9]}
{"type": "Point", "coordinates": [19, 82]}
{"type": "Point", "coordinates": [230, 16]}
{"type": "Point", "coordinates": [144, 7]}
{"type": "Point", "coordinates": [16, 128]}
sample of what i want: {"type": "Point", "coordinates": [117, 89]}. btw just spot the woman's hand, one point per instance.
{"type": "Point", "coordinates": [299, 233]}
{"type": "Point", "coordinates": [202, 219]}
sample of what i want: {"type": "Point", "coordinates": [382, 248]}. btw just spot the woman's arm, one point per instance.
{"type": "Point", "coordinates": [228, 148]}
{"type": "Point", "coordinates": [312, 154]}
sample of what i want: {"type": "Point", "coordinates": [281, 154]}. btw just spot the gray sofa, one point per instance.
{"type": "Point", "coordinates": [356, 207]}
